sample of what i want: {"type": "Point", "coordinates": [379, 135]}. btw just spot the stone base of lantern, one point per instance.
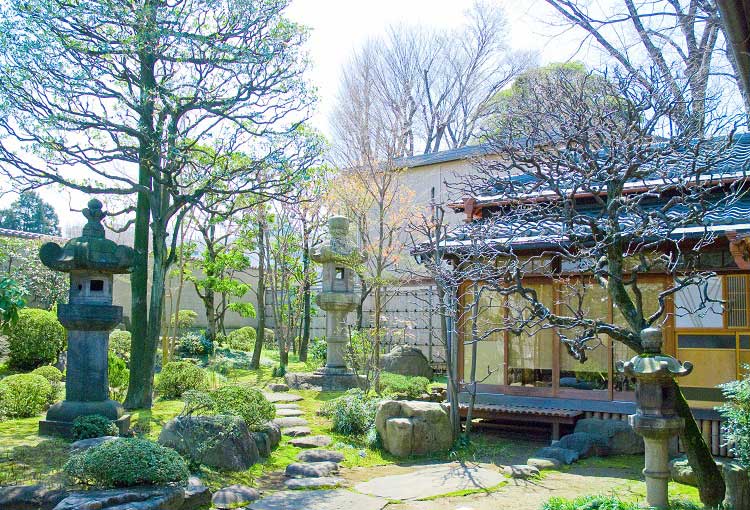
{"type": "Point", "coordinates": [325, 379]}
{"type": "Point", "coordinates": [60, 417]}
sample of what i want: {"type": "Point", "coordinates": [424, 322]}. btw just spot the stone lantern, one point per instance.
{"type": "Point", "coordinates": [337, 298]}
{"type": "Point", "coordinates": [89, 316]}
{"type": "Point", "coordinates": [655, 418]}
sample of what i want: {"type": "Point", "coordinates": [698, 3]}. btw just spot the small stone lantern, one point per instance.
{"type": "Point", "coordinates": [89, 316]}
{"type": "Point", "coordinates": [655, 418]}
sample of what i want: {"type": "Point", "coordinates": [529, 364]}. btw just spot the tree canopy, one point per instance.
{"type": "Point", "coordinates": [29, 213]}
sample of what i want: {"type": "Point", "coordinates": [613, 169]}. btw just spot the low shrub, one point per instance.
{"type": "Point", "coordinates": [126, 463]}
{"type": "Point", "coordinates": [177, 377]}
{"type": "Point", "coordinates": [194, 344]}
{"type": "Point", "coordinates": [403, 385]}
{"type": "Point", "coordinates": [119, 344]}
{"type": "Point", "coordinates": [243, 401]}
{"type": "Point", "coordinates": [607, 503]}
{"type": "Point", "coordinates": [318, 349]}
{"type": "Point", "coordinates": [269, 338]}
{"type": "Point", "coordinates": [36, 338]}
{"type": "Point", "coordinates": [52, 374]}
{"type": "Point", "coordinates": [118, 375]}
{"type": "Point", "coordinates": [24, 395]}
{"type": "Point", "coordinates": [353, 413]}
{"type": "Point", "coordinates": [93, 425]}
{"type": "Point", "coordinates": [736, 414]}
{"type": "Point", "coordinates": [185, 319]}
{"type": "Point", "coordinates": [242, 339]}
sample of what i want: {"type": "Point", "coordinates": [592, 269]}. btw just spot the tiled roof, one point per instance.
{"type": "Point", "coordinates": [469, 151]}
{"type": "Point", "coordinates": [6, 232]}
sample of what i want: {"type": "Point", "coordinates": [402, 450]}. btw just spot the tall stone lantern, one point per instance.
{"type": "Point", "coordinates": [656, 417]}
{"type": "Point", "coordinates": [89, 316]}
{"type": "Point", "coordinates": [337, 298]}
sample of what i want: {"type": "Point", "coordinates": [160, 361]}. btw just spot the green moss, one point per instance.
{"type": "Point", "coordinates": [466, 492]}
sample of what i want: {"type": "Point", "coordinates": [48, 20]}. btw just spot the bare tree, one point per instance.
{"type": "Point", "coordinates": [681, 39]}
{"type": "Point", "coordinates": [596, 201]}
{"type": "Point", "coordinates": [433, 88]}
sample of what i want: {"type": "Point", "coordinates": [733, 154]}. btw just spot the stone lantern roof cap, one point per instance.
{"type": "Point", "coordinates": [652, 364]}
{"type": "Point", "coordinates": [91, 251]}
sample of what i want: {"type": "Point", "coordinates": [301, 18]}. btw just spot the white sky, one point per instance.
{"type": "Point", "coordinates": [340, 26]}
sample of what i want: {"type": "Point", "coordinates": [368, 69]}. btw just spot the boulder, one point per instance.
{"type": "Point", "coordinates": [273, 431]}
{"type": "Point", "coordinates": [85, 444]}
{"type": "Point", "coordinates": [263, 443]}
{"type": "Point", "coordinates": [320, 456]}
{"type": "Point", "coordinates": [234, 496]}
{"type": "Point", "coordinates": [562, 455]}
{"type": "Point", "coordinates": [621, 439]}
{"type": "Point", "coordinates": [585, 444]}
{"type": "Point", "coordinates": [30, 497]}
{"type": "Point", "coordinates": [221, 442]}
{"type": "Point", "coordinates": [542, 463]}
{"type": "Point", "coordinates": [522, 471]}
{"type": "Point", "coordinates": [197, 497]}
{"type": "Point", "coordinates": [131, 498]}
{"type": "Point", "coordinates": [406, 360]}
{"type": "Point", "coordinates": [738, 487]}
{"type": "Point", "coordinates": [311, 469]}
{"type": "Point", "coordinates": [413, 427]}
{"type": "Point", "coordinates": [323, 482]}
{"type": "Point", "coordinates": [681, 472]}
{"type": "Point", "coordinates": [278, 387]}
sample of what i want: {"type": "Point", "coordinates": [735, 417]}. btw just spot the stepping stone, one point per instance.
{"type": "Point", "coordinates": [432, 481]}
{"type": "Point", "coordinates": [324, 482]}
{"type": "Point", "coordinates": [286, 406]}
{"type": "Point", "coordinates": [278, 387]}
{"type": "Point", "coordinates": [296, 431]}
{"type": "Point", "coordinates": [234, 496]}
{"type": "Point", "coordinates": [311, 469]}
{"type": "Point", "coordinates": [522, 471]}
{"type": "Point", "coordinates": [290, 421]}
{"type": "Point", "coordinates": [320, 456]}
{"type": "Point", "coordinates": [311, 442]}
{"type": "Point", "coordinates": [340, 499]}
{"type": "Point", "coordinates": [289, 412]}
{"type": "Point", "coordinates": [283, 397]}
{"type": "Point", "coordinates": [542, 463]}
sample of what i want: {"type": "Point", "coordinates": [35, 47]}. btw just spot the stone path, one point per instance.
{"type": "Point", "coordinates": [289, 412]}
{"type": "Point", "coordinates": [432, 481]}
{"type": "Point", "coordinates": [290, 421]}
{"type": "Point", "coordinates": [296, 431]}
{"type": "Point", "coordinates": [310, 441]}
{"type": "Point", "coordinates": [282, 397]}
{"type": "Point", "coordinates": [339, 499]}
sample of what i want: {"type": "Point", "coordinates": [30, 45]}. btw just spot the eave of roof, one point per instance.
{"type": "Point", "coordinates": [6, 232]}
{"type": "Point", "coordinates": [462, 153]}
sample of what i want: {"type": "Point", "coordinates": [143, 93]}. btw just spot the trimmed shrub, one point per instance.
{"type": "Point", "coordinates": [52, 374]}
{"type": "Point", "coordinates": [93, 425]}
{"type": "Point", "coordinates": [194, 344]}
{"type": "Point", "coordinates": [185, 319]}
{"type": "Point", "coordinates": [608, 503]}
{"type": "Point", "coordinates": [35, 339]}
{"type": "Point", "coordinates": [242, 339]}
{"type": "Point", "coordinates": [119, 344]}
{"type": "Point", "coordinates": [406, 386]}
{"type": "Point", "coordinates": [24, 395]}
{"type": "Point", "coordinates": [246, 402]}
{"type": "Point", "coordinates": [353, 413]}
{"type": "Point", "coordinates": [177, 377]}
{"type": "Point", "coordinates": [118, 375]}
{"type": "Point", "coordinates": [126, 463]}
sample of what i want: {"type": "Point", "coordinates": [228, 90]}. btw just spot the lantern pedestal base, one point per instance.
{"type": "Point", "coordinates": [325, 379]}
{"type": "Point", "coordinates": [64, 429]}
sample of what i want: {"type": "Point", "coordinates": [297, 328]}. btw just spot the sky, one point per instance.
{"type": "Point", "coordinates": [338, 27]}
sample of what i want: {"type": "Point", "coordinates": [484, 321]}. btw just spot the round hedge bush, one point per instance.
{"type": "Point", "coordinates": [246, 402]}
{"type": "Point", "coordinates": [24, 395]}
{"type": "Point", "coordinates": [126, 463]}
{"type": "Point", "coordinates": [93, 425]}
{"type": "Point", "coordinates": [52, 374]}
{"type": "Point", "coordinates": [119, 344]}
{"type": "Point", "coordinates": [242, 339]}
{"type": "Point", "coordinates": [177, 377]}
{"type": "Point", "coordinates": [35, 339]}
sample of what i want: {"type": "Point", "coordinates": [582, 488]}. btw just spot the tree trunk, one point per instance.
{"type": "Point", "coordinates": [710, 482]}
{"type": "Point", "coordinates": [306, 298]}
{"type": "Point", "coordinates": [210, 305]}
{"type": "Point", "coordinates": [261, 312]}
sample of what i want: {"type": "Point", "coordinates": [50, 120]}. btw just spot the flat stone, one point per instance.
{"type": "Point", "coordinates": [562, 454]}
{"type": "Point", "coordinates": [283, 397]}
{"type": "Point", "coordinates": [278, 387]}
{"type": "Point", "coordinates": [311, 469]}
{"type": "Point", "coordinates": [289, 412]}
{"type": "Point", "coordinates": [134, 498]}
{"type": "Point", "coordinates": [296, 431]}
{"type": "Point", "coordinates": [234, 496]}
{"type": "Point", "coordinates": [286, 406]}
{"type": "Point", "coordinates": [542, 463]}
{"type": "Point", "coordinates": [340, 499]}
{"type": "Point", "coordinates": [85, 444]}
{"type": "Point", "coordinates": [30, 497]}
{"type": "Point", "coordinates": [320, 456]}
{"type": "Point", "coordinates": [432, 481]}
{"type": "Point", "coordinates": [311, 442]}
{"type": "Point", "coordinates": [323, 482]}
{"type": "Point", "coordinates": [290, 421]}
{"type": "Point", "coordinates": [522, 471]}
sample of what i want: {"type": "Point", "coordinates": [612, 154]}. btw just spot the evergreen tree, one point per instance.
{"type": "Point", "coordinates": [30, 214]}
